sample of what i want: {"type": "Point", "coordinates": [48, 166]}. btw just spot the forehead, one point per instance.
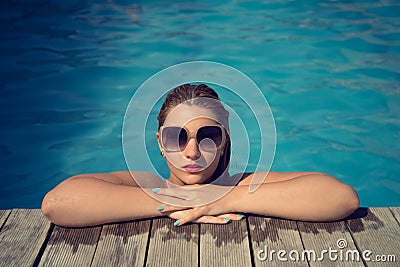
{"type": "Point", "coordinates": [186, 115]}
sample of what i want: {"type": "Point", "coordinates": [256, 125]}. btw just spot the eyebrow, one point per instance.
{"type": "Point", "coordinates": [180, 126]}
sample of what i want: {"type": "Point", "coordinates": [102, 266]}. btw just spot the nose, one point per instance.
{"type": "Point", "coordinates": [191, 150]}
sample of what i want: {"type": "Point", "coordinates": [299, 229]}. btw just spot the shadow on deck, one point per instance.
{"type": "Point", "coordinates": [27, 238]}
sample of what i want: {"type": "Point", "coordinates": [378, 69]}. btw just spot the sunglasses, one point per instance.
{"type": "Point", "coordinates": [174, 139]}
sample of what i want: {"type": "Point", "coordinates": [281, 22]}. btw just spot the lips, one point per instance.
{"type": "Point", "coordinates": [192, 168]}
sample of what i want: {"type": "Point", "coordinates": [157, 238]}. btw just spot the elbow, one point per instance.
{"type": "Point", "coordinates": [354, 201]}
{"type": "Point", "coordinates": [49, 206]}
{"type": "Point", "coordinates": [52, 209]}
{"type": "Point", "coordinates": [348, 201]}
{"type": "Point", "coordinates": [343, 199]}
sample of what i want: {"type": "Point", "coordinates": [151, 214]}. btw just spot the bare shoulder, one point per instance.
{"type": "Point", "coordinates": [272, 177]}
{"type": "Point", "coordinates": [125, 177]}
{"type": "Point", "coordinates": [130, 178]}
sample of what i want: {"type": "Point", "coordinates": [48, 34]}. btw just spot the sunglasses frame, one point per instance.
{"type": "Point", "coordinates": [190, 136]}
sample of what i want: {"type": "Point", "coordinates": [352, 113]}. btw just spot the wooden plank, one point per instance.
{"type": "Point", "coordinates": [123, 244]}
{"type": "Point", "coordinates": [396, 213]}
{"type": "Point", "coordinates": [329, 244]}
{"type": "Point", "coordinates": [22, 237]}
{"type": "Point", "coordinates": [173, 246]}
{"type": "Point", "coordinates": [71, 247]}
{"type": "Point", "coordinates": [224, 244]}
{"type": "Point", "coordinates": [377, 231]}
{"type": "Point", "coordinates": [3, 217]}
{"type": "Point", "coordinates": [270, 235]}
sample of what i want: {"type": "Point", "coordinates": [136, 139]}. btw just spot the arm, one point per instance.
{"type": "Point", "coordinates": [297, 196]}
{"type": "Point", "coordinates": [308, 197]}
{"type": "Point", "coordinates": [98, 198]}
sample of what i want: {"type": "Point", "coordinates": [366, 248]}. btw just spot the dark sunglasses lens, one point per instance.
{"type": "Point", "coordinates": [174, 138]}
{"type": "Point", "coordinates": [183, 139]}
{"type": "Point", "coordinates": [211, 135]}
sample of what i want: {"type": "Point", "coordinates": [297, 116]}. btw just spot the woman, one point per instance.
{"type": "Point", "coordinates": [197, 151]}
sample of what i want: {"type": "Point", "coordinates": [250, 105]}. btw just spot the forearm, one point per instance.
{"type": "Point", "coordinates": [90, 201]}
{"type": "Point", "coordinates": [308, 198]}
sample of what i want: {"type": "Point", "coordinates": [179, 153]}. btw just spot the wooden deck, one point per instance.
{"type": "Point", "coordinates": [27, 238]}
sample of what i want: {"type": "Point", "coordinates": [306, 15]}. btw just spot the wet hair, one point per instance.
{"type": "Point", "coordinates": [197, 95]}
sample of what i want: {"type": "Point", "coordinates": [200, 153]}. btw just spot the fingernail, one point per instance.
{"type": "Point", "coordinates": [176, 223]}
{"type": "Point", "coordinates": [241, 216]}
{"type": "Point", "coordinates": [227, 219]}
{"type": "Point", "coordinates": [155, 190]}
{"type": "Point", "coordinates": [160, 208]}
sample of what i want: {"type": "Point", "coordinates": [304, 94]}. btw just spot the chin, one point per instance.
{"type": "Point", "coordinates": [193, 178]}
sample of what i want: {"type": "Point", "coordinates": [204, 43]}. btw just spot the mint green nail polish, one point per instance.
{"type": "Point", "coordinates": [227, 219]}
{"type": "Point", "coordinates": [176, 223]}
{"type": "Point", "coordinates": [241, 216]}
{"type": "Point", "coordinates": [160, 208]}
{"type": "Point", "coordinates": [155, 190]}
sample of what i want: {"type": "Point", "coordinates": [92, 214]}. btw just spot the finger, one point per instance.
{"type": "Point", "coordinates": [173, 201]}
{"type": "Point", "coordinates": [196, 215]}
{"type": "Point", "coordinates": [168, 208]}
{"type": "Point", "coordinates": [213, 219]}
{"type": "Point", "coordinates": [221, 219]}
{"type": "Point", "coordinates": [232, 216]}
{"type": "Point", "coordinates": [191, 216]}
{"type": "Point", "coordinates": [176, 215]}
{"type": "Point", "coordinates": [172, 192]}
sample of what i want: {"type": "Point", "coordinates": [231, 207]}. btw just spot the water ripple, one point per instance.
{"type": "Point", "coordinates": [49, 117]}
{"type": "Point", "coordinates": [329, 69]}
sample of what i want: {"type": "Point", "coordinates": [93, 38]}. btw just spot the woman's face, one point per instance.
{"type": "Point", "coordinates": [192, 164]}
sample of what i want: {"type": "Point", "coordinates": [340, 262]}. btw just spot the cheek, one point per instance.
{"type": "Point", "coordinates": [210, 157]}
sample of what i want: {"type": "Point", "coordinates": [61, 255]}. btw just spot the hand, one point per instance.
{"type": "Point", "coordinates": [195, 215]}
{"type": "Point", "coordinates": [192, 195]}
{"type": "Point", "coordinates": [188, 196]}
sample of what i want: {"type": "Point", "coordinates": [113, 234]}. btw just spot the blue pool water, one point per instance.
{"type": "Point", "coordinates": [329, 70]}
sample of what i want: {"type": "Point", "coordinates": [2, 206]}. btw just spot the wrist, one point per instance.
{"type": "Point", "coordinates": [230, 201]}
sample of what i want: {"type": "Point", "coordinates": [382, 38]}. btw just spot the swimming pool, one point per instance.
{"type": "Point", "coordinates": [329, 70]}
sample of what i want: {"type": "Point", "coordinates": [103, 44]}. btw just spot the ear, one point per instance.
{"type": "Point", "coordinates": [158, 141]}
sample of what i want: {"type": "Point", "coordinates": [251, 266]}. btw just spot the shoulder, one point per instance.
{"type": "Point", "coordinates": [124, 177]}
{"type": "Point", "coordinates": [134, 178]}
{"type": "Point", "coordinates": [270, 177]}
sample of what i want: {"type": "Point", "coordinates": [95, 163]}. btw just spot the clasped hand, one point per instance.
{"type": "Point", "coordinates": [196, 203]}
